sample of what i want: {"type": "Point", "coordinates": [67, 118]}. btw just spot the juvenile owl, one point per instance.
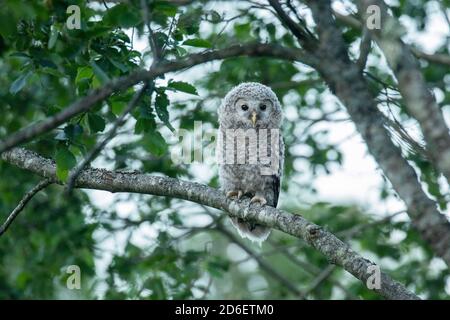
{"type": "Point", "coordinates": [251, 150]}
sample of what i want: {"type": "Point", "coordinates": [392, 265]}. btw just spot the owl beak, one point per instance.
{"type": "Point", "coordinates": [253, 118]}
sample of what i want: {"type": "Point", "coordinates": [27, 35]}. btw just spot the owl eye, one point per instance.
{"type": "Point", "coordinates": [263, 107]}
{"type": "Point", "coordinates": [244, 107]}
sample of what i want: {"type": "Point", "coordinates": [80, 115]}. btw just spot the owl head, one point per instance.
{"type": "Point", "coordinates": [250, 105]}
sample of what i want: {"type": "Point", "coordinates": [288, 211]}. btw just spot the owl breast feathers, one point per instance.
{"type": "Point", "coordinates": [250, 150]}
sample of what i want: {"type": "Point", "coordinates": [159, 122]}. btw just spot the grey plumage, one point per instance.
{"type": "Point", "coordinates": [249, 112]}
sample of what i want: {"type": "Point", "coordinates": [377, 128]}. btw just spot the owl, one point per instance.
{"type": "Point", "coordinates": [251, 150]}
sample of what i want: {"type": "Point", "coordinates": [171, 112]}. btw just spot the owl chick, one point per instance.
{"type": "Point", "coordinates": [251, 150]}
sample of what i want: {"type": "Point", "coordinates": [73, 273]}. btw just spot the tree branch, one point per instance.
{"type": "Point", "coordinates": [335, 250]}
{"type": "Point", "coordinates": [84, 104]}
{"type": "Point", "coordinates": [301, 33]}
{"type": "Point", "coordinates": [261, 262]}
{"type": "Point", "coordinates": [353, 22]}
{"type": "Point", "coordinates": [364, 49]}
{"type": "Point", "coordinates": [419, 100]}
{"type": "Point", "coordinates": [17, 210]}
{"type": "Point", "coordinates": [100, 145]}
{"type": "Point", "coordinates": [156, 50]}
{"type": "Point", "coordinates": [320, 278]}
{"type": "Point", "coordinates": [348, 84]}
{"type": "Point", "coordinates": [309, 268]}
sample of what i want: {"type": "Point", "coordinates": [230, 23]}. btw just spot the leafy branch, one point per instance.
{"type": "Point", "coordinates": [334, 249]}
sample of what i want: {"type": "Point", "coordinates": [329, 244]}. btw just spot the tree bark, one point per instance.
{"type": "Point", "coordinates": [348, 84]}
{"type": "Point", "coordinates": [335, 250]}
{"type": "Point", "coordinates": [85, 103]}
{"type": "Point", "coordinates": [419, 100]}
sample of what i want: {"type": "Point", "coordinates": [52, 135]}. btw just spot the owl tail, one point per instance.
{"type": "Point", "coordinates": [253, 231]}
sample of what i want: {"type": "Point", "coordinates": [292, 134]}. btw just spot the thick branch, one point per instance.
{"type": "Point", "coordinates": [364, 49]}
{"type": "Point", "coordinates": [347, 82]}
{"type": "Point", "coordinates": [419, 100]}
{"type": "Point", "coordinates": [335, 250]}
{"type": "Point", "coordinates": [84, 104]}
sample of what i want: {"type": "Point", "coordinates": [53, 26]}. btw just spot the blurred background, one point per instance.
{"type": "Point", "coordinates": [131, 246]}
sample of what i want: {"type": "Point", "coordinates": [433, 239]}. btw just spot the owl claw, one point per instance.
{"type": "Point", "coordinates": [262, 201]}
{"type": "Point", "coordinates": [233, 193]}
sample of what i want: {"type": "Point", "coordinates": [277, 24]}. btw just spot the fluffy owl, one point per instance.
{"type": "Point", "coordinates": [251, 150]}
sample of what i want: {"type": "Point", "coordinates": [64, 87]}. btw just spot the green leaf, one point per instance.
{"type": "Point", "coordinates": [51, 71]}
{"type": "Point", "coordinates": [200, 43]}
{"type": "Point", "coordinates": [122, 15]}
{"type": "Point", "coordinates": [157, 287]}
{"type": "Point", "coordinates": [20, 55]}
{"type": "Point", "coordinates": [99, 73]}
{"type": "Point", "coordinates": [83, 73]}
{"type": "Point", "coordinates": [145, 112]}
{"type": "Point", "coordinates": [96, 123]}
{"type": "Point", "coordinates": [183, 86]}
{"type": "Point", "coordinates": [242, 31]}
{"type": "Point", "coordinates": [154, 142]}
{"type": "Point", "coordinates": [119, 65]}
{"type": "Point", "coordinates": [73, 131]}
{"type": "Point", "coordinates": [161, 103]}
{"type": "Point", "coordinates": [217, 267]}
{"type": "Point", "coordinates": [19, 83]}
{"type": "Point", "coordinates": [166, 8]}
{"type": "Point", "coordinates": [214, 16]}
{"type": "Point", "coordinates": [65, 161]}
{"type": "Point", "coordinates": [62, 174]}
{"type": "Point", "coordinates": [117, 107]}
{"type": "Point", "coordinates": [181, 51]}
{"type": "Point", "coordinates": [144, 125]}
{"type": "Point", "coordinates": [53, 37]}
{"type": "Point", "coordinates": [96, 83]}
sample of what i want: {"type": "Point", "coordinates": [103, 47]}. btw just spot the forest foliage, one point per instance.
{"type": "Point", "coordinates": [167, 248]}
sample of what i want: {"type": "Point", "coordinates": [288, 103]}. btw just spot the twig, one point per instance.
{"type": "Point", "coordinates": [320, 278]}
{"type": "Point", "coordinates": [121, 119]}
{"type": "Point", "coordinates": [311, 269]}
{"type": "Point", "coordinates": [347, 234]}
{"type": "Point", "coordinates": [101, 145]}
{"type": "Point", "coordinates": [351, 232]}
{"type": "Point", "coordinates": [418, 98]}
{"type": "Point", "coordinates": [261, 262]}
{"type": "Point", "coordinates": [258, 258]}
{"type": "Point", "coordinates": [87, 102]}
{"type": "Point", "coordinates": [207, 288]}
{"type": "Point", "coordinates": [334, 249]}
{"type": "Point", "coordinates": [169, 34]}
{"type": "Point", "coordinates": [353, 22]}
{"type": "Point", "coordinates": [305, 37]}
{"type": "Point", "coordinates": [28, 196]}
{"type": "Point", "coordinates": [152, 39]}
{"type": "Point", "coordinates": [447, 19]}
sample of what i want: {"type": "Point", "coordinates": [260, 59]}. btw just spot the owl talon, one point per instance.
{"type": "Point", "coordinates": [262, 201]}
{"type": "Point", "coordinates": [233, 193]}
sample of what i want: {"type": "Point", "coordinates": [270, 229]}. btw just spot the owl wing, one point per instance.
{"type": "Point", "coordinates": [276, 189]}
{"type": "Point", "coordinates": [276, 178]}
